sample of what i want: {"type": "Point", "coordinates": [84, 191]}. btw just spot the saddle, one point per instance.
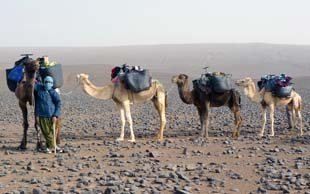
{"type": "Point", "coordinates": [217, 82]}
{"type": "Point", "coordinates": [15, 74]}
{"type": "Point", "coordinates": [55, 71]}
{"type": "Point", "coordinates": [278, 85]}
{"type": "Point", "coordinates": [135, 78]}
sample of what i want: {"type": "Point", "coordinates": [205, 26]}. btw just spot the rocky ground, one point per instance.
{"type": "Point", "coordinates": [94, 163]}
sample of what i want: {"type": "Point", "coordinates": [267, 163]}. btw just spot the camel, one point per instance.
{"type": "Point", "coordinates": [124, 98]}
{"type": "Point", "coordinates": [204, 101]}
{"type": "Point", "coordinates": [24, 93]}
{"type": "Point", "coordinates": [267, 100]}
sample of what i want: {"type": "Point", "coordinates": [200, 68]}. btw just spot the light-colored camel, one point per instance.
{"type": "Point", "coordinates": [124, 97]}
{"type": "Point", "coordinates": [293, 102]}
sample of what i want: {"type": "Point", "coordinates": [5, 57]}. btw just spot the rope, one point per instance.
{"type": "Point", "coordinates": [70, 92]}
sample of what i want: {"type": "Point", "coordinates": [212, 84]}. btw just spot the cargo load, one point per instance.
{"type": "Point", "coordinates": [55, 71]}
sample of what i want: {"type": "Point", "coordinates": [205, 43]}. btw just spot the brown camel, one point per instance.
{"type": "Point", "coordinates": [204, 101]}
{"type": "Point", "coordinates": [124, 97]}
{"type": "Point", "coordinates": [266, 99]}
{"type": "Point", "coordinates": [24, 93]}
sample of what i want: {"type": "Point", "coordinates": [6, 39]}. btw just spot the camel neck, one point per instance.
{"type": "Point", "coordinates": [184, 92]}
{"type": "Point", "coordinates": [252, 94]}
{"type": "Point", "coordinates": [103, 93]}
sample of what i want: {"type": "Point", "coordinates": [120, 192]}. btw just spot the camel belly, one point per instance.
{"type": "Point", "coordinates": [269, 99]}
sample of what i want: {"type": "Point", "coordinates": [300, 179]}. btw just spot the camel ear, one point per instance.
{"type": "Point", "coordinates": [183, 76]}
{"type": "Point", "coordinates": [78, 76]}
{"type": "Point", "coordinates": [87, 76]}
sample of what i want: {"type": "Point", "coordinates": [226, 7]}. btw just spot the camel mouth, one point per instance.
{"type": "Point", "coordinates": [78, 76]}
{"type": "Point", "coordinates": [239, 82]}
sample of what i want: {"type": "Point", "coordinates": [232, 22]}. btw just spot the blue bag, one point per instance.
{"type": "Point", "coordinates": [16, 74]}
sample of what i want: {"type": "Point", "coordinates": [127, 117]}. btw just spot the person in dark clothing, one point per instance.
{"type": "Point", "coordinates": [289, 118]}
{"type": "Point", "coordinates": [47, 108]}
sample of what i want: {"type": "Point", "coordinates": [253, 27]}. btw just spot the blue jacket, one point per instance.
{"type": "Point", "coordinates": [47, 103]}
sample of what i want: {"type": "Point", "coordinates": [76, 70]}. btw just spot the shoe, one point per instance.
{"type": "Point", "coordinates": [58, 149]}
{"type": "Point", "coordinates": [48, 151]}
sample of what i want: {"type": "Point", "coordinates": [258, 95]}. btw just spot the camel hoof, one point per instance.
{"type": "Point", "coordinates": [120, 139]}
{"type": "Point", "coordinates": [159, 137]}
{"type": "Point", "coordinates": [260, 134]}
{"type": "Point", "coordinates": [271, 135]}
{"type": "Point", "coordinates": [235, 135]}
{"type": "Point", "coordinates": [301, 134]}
{"type": "Point", "coordinates": [132, 140]}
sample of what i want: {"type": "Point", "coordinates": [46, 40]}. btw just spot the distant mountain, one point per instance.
{"type": "Point", "coordinates": [253, 59]}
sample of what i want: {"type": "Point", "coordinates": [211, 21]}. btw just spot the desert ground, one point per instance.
{"type": "Point", "coordinates": [93, 162]}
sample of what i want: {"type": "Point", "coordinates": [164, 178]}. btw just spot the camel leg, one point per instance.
{"type": "Point", "coordinates": [36, 126]}
{"type": "Point", "coordinates": [264, 122]}
{"type": "Point", "coordinates": [293, 119]}
{"type": "Point", "coordinates": [23, 107]}
{"type": "Point", "coordinates": [206, 121]}
{"type": "Point", "coordinates": [201, 116]}
{"type": "Point", "coordinates": [240, 123]}
{"type": "Point", "coordinates": [129, 120]}
{"type": "Point", "coordinates": [272, 119]}
{"type": "Point", "coordinates": [238, 120]}
{"type": "Point", "coordinates": [123, 121]}
{"type": "Point", "coordinates": [159, 104]}
{"type": "Point", "coordinates": [300, 123]}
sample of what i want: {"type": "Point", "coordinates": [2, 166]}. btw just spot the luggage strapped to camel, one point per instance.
{"type": "Point", "coordinates": [55, 71]}
{"type": "Point", "coordinates": [217, 82]}
{"type": "Point", "coordinates": [280, 85]}
{"type": "Point", "coordinates": [134, 78]}
{"type": "Point", "coordinates": [14, 75]}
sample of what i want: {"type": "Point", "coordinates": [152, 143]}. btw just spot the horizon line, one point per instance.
{"type": "Point", "coordinates": [159, 44]}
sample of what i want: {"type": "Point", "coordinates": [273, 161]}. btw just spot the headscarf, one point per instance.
{"type": "Point", "coordinates": [48, 83]}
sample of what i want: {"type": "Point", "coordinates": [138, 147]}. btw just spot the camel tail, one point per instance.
{"type": "Point", "coordinates": [299, 104]}
{"type": "Point", "coordinates": [236, 97]}
{"type": "Point", "coordinates": [166, 100]}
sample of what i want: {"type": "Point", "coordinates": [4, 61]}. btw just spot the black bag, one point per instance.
{"type": "Point", "coordinates": [137, 80]}
{"type": "Point", "coordinates": [282, 91]}
{"type": "Point", "coordinates": [221, 83]}
{"type": "Point", "coordinates": [22, 60]}
{"type": "Point", "coordinates": [11, 83]}
{"type": "Point", "coordinates": [55, 72]}
{"type": "Point", "coordinates": [260, 84]}
{"type": "Point", "coordinates": [203, 83]}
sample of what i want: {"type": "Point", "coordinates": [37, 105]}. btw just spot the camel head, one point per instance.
{"type": "Point", "coordinates": [245, 82]}
{"type": "Point", "coordinates": [31, 67]}
{"type": "Point", "coordinates": [179, 79]}
{"type": "Point", "coordinates": [81, 77]}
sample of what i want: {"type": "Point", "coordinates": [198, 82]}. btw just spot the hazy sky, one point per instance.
{"type": "Point", "coordinates": [132, 22]}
